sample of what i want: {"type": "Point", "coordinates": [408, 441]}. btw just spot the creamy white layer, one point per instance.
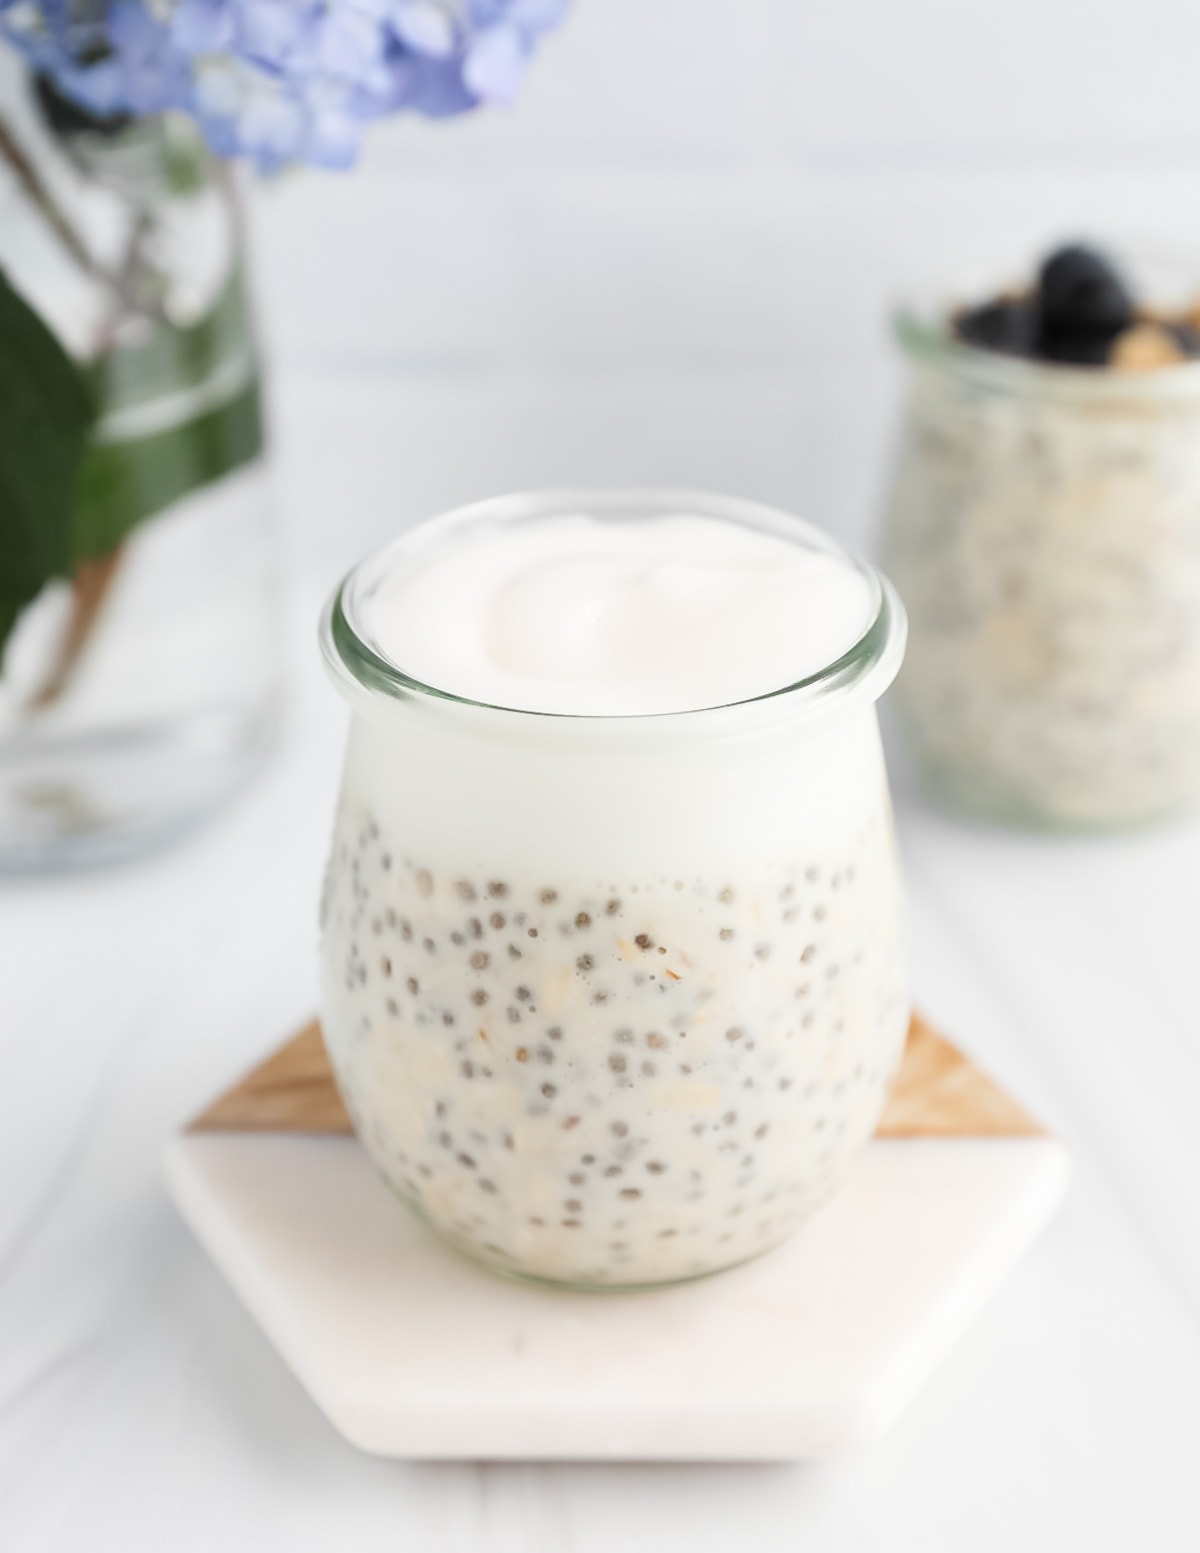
{"type": "Point", "coordinates": [574, 614]}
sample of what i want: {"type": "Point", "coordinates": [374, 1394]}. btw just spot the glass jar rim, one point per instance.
{"type": "Point", "coordinates": [358, 665]}
{"type": "Point", "coordinates": [920, 313]}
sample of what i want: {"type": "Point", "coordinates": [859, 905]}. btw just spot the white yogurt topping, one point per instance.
{"type": "Point", "coordinates": [573, 614]}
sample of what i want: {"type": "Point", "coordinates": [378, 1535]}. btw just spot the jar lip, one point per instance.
{"type": "Point", "coordinates": [920, 313]}
{"type": "Point", "coordinates": [357, 664]}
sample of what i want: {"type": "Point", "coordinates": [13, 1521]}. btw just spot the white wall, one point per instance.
{"type": "Point", "coordinates": [671, 261]}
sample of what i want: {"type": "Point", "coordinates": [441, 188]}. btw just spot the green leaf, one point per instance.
{"type": "Point", "coordinates": [187, 164]}
{"type": "Point", "coordinates": [123, 483]}
{"type": "Point", "coordinates": [45, 412]}
{"type": "Point", "coordinates": [180, 410]}
{"type": "Point", "coordinates": [171, 358]}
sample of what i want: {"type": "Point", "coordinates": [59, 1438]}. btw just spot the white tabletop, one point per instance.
{"type": "Point", "coordinates": [140, 1408]}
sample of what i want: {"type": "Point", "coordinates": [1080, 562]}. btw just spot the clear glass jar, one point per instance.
{"type": "Point", "coordinates": [139, 652]}
{"type": "Point", "coordinates": [613, 1001]}
{"type": "Point", "coordinates": [1043, 530]}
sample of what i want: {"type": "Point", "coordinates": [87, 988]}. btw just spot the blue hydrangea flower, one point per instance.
{"type": "Point", "coordinates": [282, 80]}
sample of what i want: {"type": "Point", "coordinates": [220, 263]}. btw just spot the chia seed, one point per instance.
{"type": "Point", "coordinates": [698, 1158]}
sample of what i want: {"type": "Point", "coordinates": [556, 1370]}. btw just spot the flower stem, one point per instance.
{"type": "Point", "coordinates": [34, 186]}
{"type": "Point", "coordinates": [89, 588]}
{"type": "Point", "coordinates": [93, 579]}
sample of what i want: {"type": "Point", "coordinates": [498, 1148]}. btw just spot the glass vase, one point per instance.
{"type": "Point", "coordinates": [138, 580]}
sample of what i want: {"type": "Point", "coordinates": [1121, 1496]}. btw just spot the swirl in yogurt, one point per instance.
{"type": "Point", "coordinates": [573, 614]}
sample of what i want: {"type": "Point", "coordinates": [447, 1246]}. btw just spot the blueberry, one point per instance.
{"type": "Point", "coordinates": [1075, 350]}
{"type": "Point", "coordinates": [1002, 325]}
{"type": "Point", "coordinates": [1082, 298]}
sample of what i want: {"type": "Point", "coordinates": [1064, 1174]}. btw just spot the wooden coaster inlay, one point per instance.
{"type": "Point", "coordinates": [938, 1093]}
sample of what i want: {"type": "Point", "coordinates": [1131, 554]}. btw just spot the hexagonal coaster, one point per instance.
{"type": "Point", "coordinates": [814, 1348]}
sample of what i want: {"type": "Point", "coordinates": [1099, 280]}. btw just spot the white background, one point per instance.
{"type": "Point", "coordinates": [671, 264]}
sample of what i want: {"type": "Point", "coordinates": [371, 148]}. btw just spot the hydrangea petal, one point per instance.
{"type": "Point", "coordinates": [495, 63]}
{"type": "Point", "coordinates": [333, 139]}
{"type": "Point", "coordinates": [433, 88]}
{"type": "Point", "coordinates": [423, 27]}
{"type": "Point", "coordinates": [537, 16]}
{"type": "Point", "coordinates": [277, 80]}
{"type": "Point", "coordinates": [270, 30]}
{"type": "Point", "coordinates": [347, 43]}
{"type": "Point", "coordinates": [201, 26]}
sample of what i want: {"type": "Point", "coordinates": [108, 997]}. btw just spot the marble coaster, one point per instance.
{"type": "Point", "coordinates": [814, 1348]}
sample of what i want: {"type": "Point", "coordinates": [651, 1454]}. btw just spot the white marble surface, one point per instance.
{"type": "Point", "coordinates": [141, 1409]}
{"type": "Point", "coordinates": [813, 1350]}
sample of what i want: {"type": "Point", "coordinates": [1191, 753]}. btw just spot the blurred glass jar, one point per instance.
{"type": "Point", "coordinates": [139, 654]}
{"type": "Point", "coordinates": [1043, 529]}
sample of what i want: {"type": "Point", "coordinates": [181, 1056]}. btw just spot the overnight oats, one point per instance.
{"type": "Point", "coordinates": [1044, 533]}
{"type": "Point", "coordinates": [612, 974]}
